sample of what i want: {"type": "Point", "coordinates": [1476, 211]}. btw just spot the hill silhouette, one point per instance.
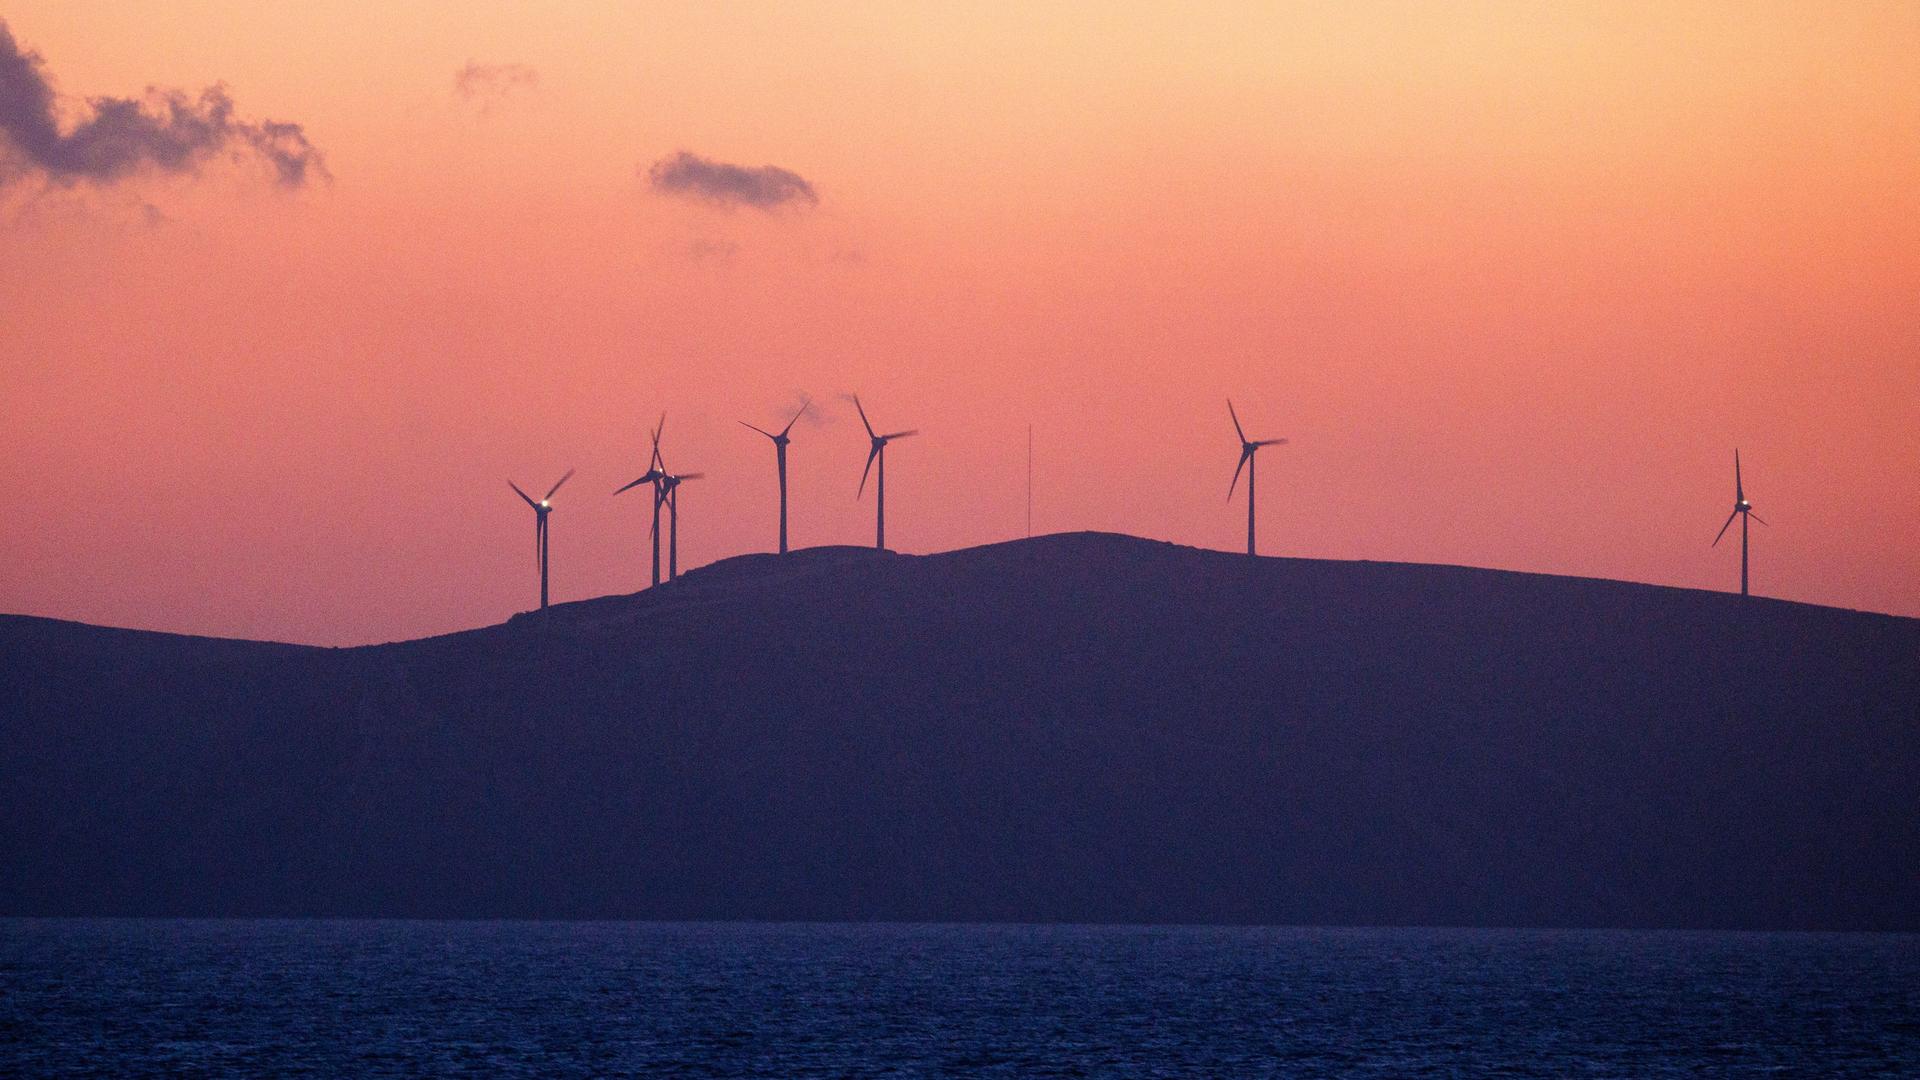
{"type": "Point", "coordinates": [1082, 727]}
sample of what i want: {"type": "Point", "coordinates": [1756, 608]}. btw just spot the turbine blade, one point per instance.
{"type": "Point", "coordinates": [1245, 456]}
{"type": "Point", "coordinates": [762, 431]}
{"type": "Point", "coordinates": [1739, 492]}
{"type": "Point", "coordinates": [1723, 528]}
{"type": "Point", "coordinates": [901, 434]}
{"type": "Point", "coordinates": [871, 454]}
{"type": "Point", "coordinates": [649, 478]}
{"type": "Point", "coordinates": [522, 494]}
{"type": "Point", "coordinates": [557, 483]}
{"type": "Point", "coordinates": [683, 477]}
{"type": "Point", "coordinates": [1271, 442]}
{"type": "Point", "coordinates": [1236, 421]}
{"type": "Point", "coordinates": [863, 417]}
{"type": "Point", "coordinates": [805, 404]}
{"type": "Point", "coordinates": [1758, 518]}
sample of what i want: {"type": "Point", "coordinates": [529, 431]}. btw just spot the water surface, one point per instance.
{"type": "Point", "coordinates": [322, 998]}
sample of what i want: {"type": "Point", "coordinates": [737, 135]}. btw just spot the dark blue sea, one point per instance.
{"type": "Point", "coordinates": [121, 998]}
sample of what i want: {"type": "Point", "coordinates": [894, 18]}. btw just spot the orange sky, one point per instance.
{"type": "Point", "coordinates": [1514, 279]}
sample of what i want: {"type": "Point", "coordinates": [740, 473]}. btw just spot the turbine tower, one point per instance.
{"type": "Point", "coordinates": [879, 450]}
{"type": "Point", "coordinates": [1247, 450]}
{"type": "Point", "coordinates": [540, 511]}
{"type": "Point", "coordinates": [653, 476]}
{"type": "Point", "coordinates": [670, 494]}
{"type": "Point", "coordinates": [666, 492]}
{"type": "Point", "coordinates": [1743, 510]}
{"type": "Point", "coordinates": [780, 442]}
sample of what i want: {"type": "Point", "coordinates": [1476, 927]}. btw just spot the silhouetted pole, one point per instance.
{"type": "Point", "coordinates": [1252, 464]}
{"type": "Point", "coordinates": [780, 449]}
{"type": "Point", "coordinates": [540, 541]}
{"type": "Point", "coordinates": [656, 537]}
{"type": "Point", "coordinates": [1743, 554]}
{"type": "Point", "coordinates": [880, 505]}
{"type": "Point", "coordinates": [673, 533]}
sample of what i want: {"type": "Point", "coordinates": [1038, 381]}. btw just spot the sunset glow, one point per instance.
{"type": "Point", "coordinates": [1513, 281]}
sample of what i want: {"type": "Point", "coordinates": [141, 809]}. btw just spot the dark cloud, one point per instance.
{"type": "Point", "coordinates": [488, 83]}
{"type": "Point", "coordinates": [169, 131]}
{"type": "Point", "coordinates": [765, 188]}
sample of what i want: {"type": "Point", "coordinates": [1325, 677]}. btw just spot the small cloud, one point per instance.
{"type": "Point", "coordinates": [704, 250]}
{"type": "Point", "coordinates": [167, 131]}
{"type": "Point", "coordinates": [797, 407]}
{"type": "Point", "coordinates": [489, 84]}
{"type": "Point", "coordinates": [153, 215]}
{"type": "Point", "coordinates": [286, 148]}
{"type": "Point", "coordinates": [767, 187]}
{"type": "Point", "coordinates": [819, 413]}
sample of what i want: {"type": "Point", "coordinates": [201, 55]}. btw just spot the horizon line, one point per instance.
{"type": "Point", "coordinates": [863, 550]}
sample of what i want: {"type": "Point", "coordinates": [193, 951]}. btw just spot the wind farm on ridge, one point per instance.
{"type": "Point", "coordinates": [665, 485]}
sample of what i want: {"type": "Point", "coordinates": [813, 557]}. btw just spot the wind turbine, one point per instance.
{"type": "Point", "coordinates": [780, 442]}
{"type": "Point", "coordinates": [666, 491]}
{"type": "Point", "coordinates": [1247, 450]}
{"type": "Point", "coordinates": [540, 511]}
{"type": "Point", "coordinates": [670, 494]}
{"type": "Point", "coordinates": [879, 450]}
{"type": "Point", "coordinates": [653, 476]}
{"type": "Point", "coordinates": [1743, 510]}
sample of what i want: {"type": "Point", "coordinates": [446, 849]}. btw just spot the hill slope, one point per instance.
{"type": "Point", "coordinates": [1080, 727]}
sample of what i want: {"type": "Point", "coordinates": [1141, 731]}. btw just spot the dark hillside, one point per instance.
{"type": "Point", "coordinates": [1080, 727]}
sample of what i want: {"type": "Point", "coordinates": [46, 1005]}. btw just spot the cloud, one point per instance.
{"type": "Point", "coordinates": [488, 84]}
{"type": "Point", "coordinates": [765, 188]}
{"type": "Point", "coordinates": [168, 130]}
{"type": "Point", "coordinates": [705, 250]}
{"type": "Point", "coordinates": [819, 413]}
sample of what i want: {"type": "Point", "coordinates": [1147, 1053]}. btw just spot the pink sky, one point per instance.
{"type": "Point", "coordinates": [1514, 280]}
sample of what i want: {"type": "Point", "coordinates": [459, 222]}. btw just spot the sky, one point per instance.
{"type": "Point", "coordinates": [1515, 280]}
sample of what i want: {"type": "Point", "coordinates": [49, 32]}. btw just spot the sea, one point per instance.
{"type": "Point", "coordinates": [325, 998]}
